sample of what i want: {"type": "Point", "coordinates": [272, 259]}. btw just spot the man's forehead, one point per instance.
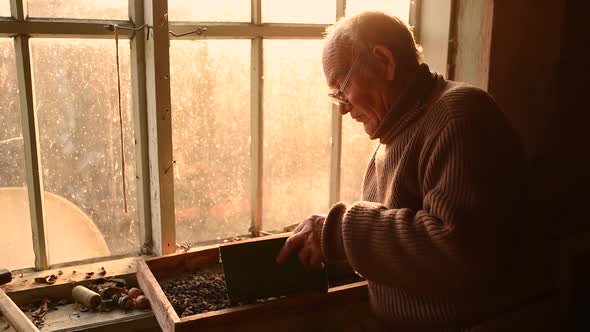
{"type": "Point", "coordinates": [336, 65]}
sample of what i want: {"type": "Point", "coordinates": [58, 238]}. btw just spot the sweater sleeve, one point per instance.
{"type": "Point", "coordinates": [463, 235]}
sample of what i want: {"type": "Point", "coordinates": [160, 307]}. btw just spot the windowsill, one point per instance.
{"type": "Point", "coordinates": [24, 290]}
{"type": "Point", "coordinates": [122, 267]}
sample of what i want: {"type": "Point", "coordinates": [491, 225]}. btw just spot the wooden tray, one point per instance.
{"type": "Point", "coordinates": [340, 308]}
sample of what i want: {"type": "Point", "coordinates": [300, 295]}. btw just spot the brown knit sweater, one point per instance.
{"type": "Point", "coordinates": [442, 233]}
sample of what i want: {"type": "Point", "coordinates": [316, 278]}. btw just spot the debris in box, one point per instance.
{"type": "Point", "coordinates": [200, 292]}
{"type": "Point", "coordinates": [197, 293]}
{"type": "Point", "coordinates": [40, 308]}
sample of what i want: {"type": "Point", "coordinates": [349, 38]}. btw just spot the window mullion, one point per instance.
{"type": "Point", "coordinates": [256, 124]}
{"type": "Point", "coordinates": [18, 9]}
{"type": "Point", "coordinates": [340, 8]}
{"type": "Point", "coordinates": [157, 58]}
{"type": "Point", "coordinates": [336, 139]}
{"type": "Point", "coordinates": [335, 155]}
{"type": "Point", "coordinates": [140, 121]}
{"type": "Point", "coordinates": [414, 18]}
{"type": "Point", "coordinates": [257, 134]}
{"type": "Point", "coordinates": [32, 153]}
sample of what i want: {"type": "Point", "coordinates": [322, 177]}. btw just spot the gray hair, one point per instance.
{"type": "Point", "coordinates": [361, 32]}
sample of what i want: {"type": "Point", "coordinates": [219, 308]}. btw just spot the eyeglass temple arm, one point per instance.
{"type": "Point", "coordinates": [347, 78]}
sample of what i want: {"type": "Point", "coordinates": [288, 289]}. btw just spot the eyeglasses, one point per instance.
{"type": "Point", "coordinates": [336, 96]}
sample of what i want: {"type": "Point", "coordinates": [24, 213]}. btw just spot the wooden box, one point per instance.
{"type": "Point", "coordinates": [341, 308]}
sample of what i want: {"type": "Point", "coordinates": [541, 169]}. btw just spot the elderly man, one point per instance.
{"type": "Point", "coordinates": [443, 232]}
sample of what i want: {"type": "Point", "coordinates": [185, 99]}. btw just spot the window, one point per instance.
{"type": "Point", "coordinates": [302, 11]}
{"type": "Point", "coordinates": [400, 9]}
{"type": "Point", "coordinates": [296, 172]}
{"type": "Point", "coordinates": [13, 193]}
{"type": "Point", "coordinates": [87, 9]}
{"type": "Point", "coordinates": [256, 146]}
{"type": "Point", "coordinates": [209, 11]}
{"type": "Point", "coordinates": [75, 86]}
{"type": "Point", "coordinates": [210, 85]}
{"type": "Point", "coordinates": [4, 8]}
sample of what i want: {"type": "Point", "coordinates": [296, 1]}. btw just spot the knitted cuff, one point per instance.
{"type": "Point", "coordinates": [331, 238]}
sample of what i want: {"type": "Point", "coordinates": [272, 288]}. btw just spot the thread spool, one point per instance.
{"type": "Point", "coordinates": [86, 297]}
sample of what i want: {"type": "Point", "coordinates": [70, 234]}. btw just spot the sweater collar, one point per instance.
{"type": "Point", "coordinates": [408, 105]}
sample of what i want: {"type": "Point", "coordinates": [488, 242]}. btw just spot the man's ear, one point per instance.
{"type": "Point", "coordinates": [386, 60]}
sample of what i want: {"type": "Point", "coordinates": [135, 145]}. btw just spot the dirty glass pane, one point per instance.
{"type": "Point", "coordinates": [209, 10]}
{"type": "Point", "coordinates": [301, 11]}
{"type": "Point", "coordinates": [4, 8]}
{"type": "Point", "coordinates": [357, 148]}
{"type": "Point", "coordinates": [210, 82]}
{"type": "Point", "coordinates": [88, 9]}
{"type": "Point", "coordinates": [296, 132]}
{"type": "Point", "coordinates": [399, 8]}
{"type": "Point", "coordinates": [75, 85]}
{"type": "Point", "coordinates": [14, 203]}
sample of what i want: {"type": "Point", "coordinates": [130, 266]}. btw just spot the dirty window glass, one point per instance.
{"type": "Point", "coordinates": [85, 9]}
{"type": "Point", "coordinates": [210, 89]}
{"type": "Point", "coordinates": [301, 11]}
{"type": "Point", "coordinates": [208, 10]}
{"type": "Point", "coordinates": [14, 202]}
{"type": "Point", "coordinates": [357, 148]}
{"type": "Point", "coordinates": [399, 8]}
{"type": "Point", "coordinates": [4, 8]}
{"type": "Point", "coordinates": [297, 133]}
{"type": "Point", "coordinates": [75, 85]}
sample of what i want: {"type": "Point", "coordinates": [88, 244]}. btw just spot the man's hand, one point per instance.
{"type": "Point", "coordinates": [306, 241]}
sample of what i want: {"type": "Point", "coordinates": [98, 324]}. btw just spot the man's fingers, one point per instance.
{"type": "Point", "coordinates": [299, 227]}
{"type": "Point", "coordinates": [305, 258]}
{"type": "Point", "coordinates": [317, 261]}
{"type": "Point", "coordinates": [293, 243]}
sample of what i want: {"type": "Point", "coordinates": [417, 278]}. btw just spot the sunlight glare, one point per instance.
{"type": "Point", "coordinates": [399, 8]}
{"type": "Point", "coordinates": [4, 8]}
{"type": "Point", "coordinates": [301, 11]}
{"type": "Point", "coordinates": [207, 10]}
{"type": "Point", "coordinates": [88, 9]}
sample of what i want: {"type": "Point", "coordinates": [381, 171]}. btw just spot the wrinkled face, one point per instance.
{"type": "Point", "coordinates": [365, 96]}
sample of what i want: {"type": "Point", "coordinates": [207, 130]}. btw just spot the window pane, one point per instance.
{"type": "Point", "coordinates": [97, 9]}
{"type": "Point", "coordinates": [210, 82]}
{"type": "Point", "coordinates": [301, 11]}
{"type": "Point", "coordinates": [208, 10]}
{"type": "Point", "coordinates": [357, 148]}
{"type": "Point", "coordinates": [4, 8]}
{"type": "Point", "coordinates": [14, 202]}
{"type": "Point", "coordinates": [296, 132]}
{"type": "Point", "coordinates": [75, 84]}
{"type": "Point", "coordinates": [399, 8]}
